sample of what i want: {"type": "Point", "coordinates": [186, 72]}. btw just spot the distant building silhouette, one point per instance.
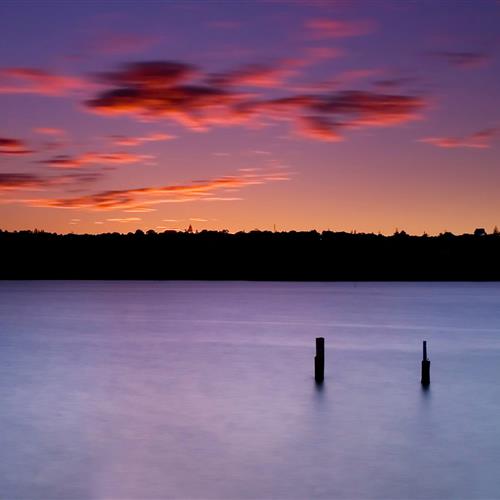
{"type": "Point", "coordinates": [480, 231]}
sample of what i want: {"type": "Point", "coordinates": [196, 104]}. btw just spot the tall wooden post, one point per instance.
{"type": "Point", "coordinates": [319, 360]}
{"type": "Point", "coordinates": [426, 366]}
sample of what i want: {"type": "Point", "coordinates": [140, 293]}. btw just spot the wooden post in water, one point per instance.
{"type": "Point", "coordinates": [426, 367]}
{"type": "Point", "coordinates": [319, 360]}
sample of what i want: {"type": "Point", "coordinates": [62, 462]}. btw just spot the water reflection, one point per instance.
{"type": "Point", "coordinates": [319, 386]}
{"type": "Point", "coordinates": [200, 390]}
{"type": "Point", "coordinates": [425, 391]}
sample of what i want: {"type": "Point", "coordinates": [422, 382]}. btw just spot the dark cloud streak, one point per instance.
{"type": "Point", "coordinates": [464, 60]}
{"type": "Point", "coordinates": [13, 181]}
{"type": "Point", "coordinates": [478, 140]}
{"type": "Point", "coordinates": [9, 146]}
{"type": "Point", "coordinates": [154, 90]}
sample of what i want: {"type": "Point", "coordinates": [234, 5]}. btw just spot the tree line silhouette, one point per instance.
{"type": "Point", "coordinates": [254, 255]}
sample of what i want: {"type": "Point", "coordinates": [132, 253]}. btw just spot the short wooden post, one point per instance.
{"type": "Point", "coordinates": [426, 367]}
{"type": "Point", "coordinates": [319, 360]}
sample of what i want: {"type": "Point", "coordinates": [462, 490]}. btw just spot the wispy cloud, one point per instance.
{"type": "Point", "coordinates": [9, 146]}
{"type": "Point", "coordinates": [318, 54]}
{"type": "Point", "coordinates": [50, 131]}
{"type": "Point", "coordinates": [478, 140]}
{"type": "Point", "coordinates": [79, 161]}
{"type": "Point", "coordinates": [258, 75]}
{"type": "Point", "coordinates": [140, 210]}
{"type": "Point", "coordinates": [77, 179]}
{"type": "Point", "coordinates": [394, 82]}
{"type": "Point", "coordinates": [122, 140]}
{"type": "Point", "coordinates": [223, 198]}
{"type": "Point", "coordinates": [124, 219]}
{"type": "Point", "coordinates": [143, 197]}
{"type": "Point", "coordinates": [38, 81]}
{"type": "Point", "coordinates": [260, 152]}
{"type": "Point", "coordinates": [464, 60]}
{"type": "Point", "coordinates": [121, 43]}
{"type": "Point", "coordinates": [339, 81]}
{"type": "Point", "coordinates": [14, 181]}
{"type": "Point", "coordinates": [322, 28]}
{"type": "Point", "coordinates": [364, 108]}
{"type": "Point", "coordinates": [319, 127]}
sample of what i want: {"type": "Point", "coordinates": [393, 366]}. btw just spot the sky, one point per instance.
{"type": "Point", "coordinates": [345, 115]}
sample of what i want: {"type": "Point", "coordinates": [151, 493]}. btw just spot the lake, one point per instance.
{"type": "Point", "coordinates": [205, 390]}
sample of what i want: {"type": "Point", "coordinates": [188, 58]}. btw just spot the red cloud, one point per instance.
{"type": "Point", "coordinates": [334, 28]}
{"type": "Point", "coordinates": [37, 81]}
{"type": "Point", "coordinates": [139, 198]}
{"type": "Point", "coordinates": [192, 106]}
{"type": "Point", "coordinates": [318, 127]}
{"type": "Point", "coordinates": [258, 75]}
{"type": "Point", "coordinates": [150, 74]}
{"type": "Point", "coordinates": [273, 75]}
{"type": "Point", "coordinates": [13, 147]}
{"type": "Point", "coordinates": [478, 140]}
{"type": "Point", "coordinates": [153, 90]}
{"type": "Point", "coordinates": [359, 108]}
{"type": "Point", "coordinates": [121, 140]}
{"type": "Point", "coordinates": [23, 181]}
{"type": "Point", "coordinates": [324, 116]}
{"type": "Point", "coordinates": [78, 161]}
{"type": "Point", "coordinates": [54, 132]}
{"type": "Point", "coordinates": [160, 89]}
{"type": "Point", "coordinates": [15, 181]}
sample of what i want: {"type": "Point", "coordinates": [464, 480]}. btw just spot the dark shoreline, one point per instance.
{"type": "Point", "coordinates": [253, 256]}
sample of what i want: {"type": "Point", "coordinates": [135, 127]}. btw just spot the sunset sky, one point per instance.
{"type": "Point", "coordinates": [341, 115]}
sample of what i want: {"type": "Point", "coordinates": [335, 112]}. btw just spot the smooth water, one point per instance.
{"type": "Point", "coordinates": [135, 390]}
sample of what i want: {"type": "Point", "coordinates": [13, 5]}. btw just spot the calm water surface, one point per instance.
{"type": "Point", "coordinates": [191, 390]}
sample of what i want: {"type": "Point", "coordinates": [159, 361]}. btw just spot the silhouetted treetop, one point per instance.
{"type": "Point", "coordinates": [254, 255]}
